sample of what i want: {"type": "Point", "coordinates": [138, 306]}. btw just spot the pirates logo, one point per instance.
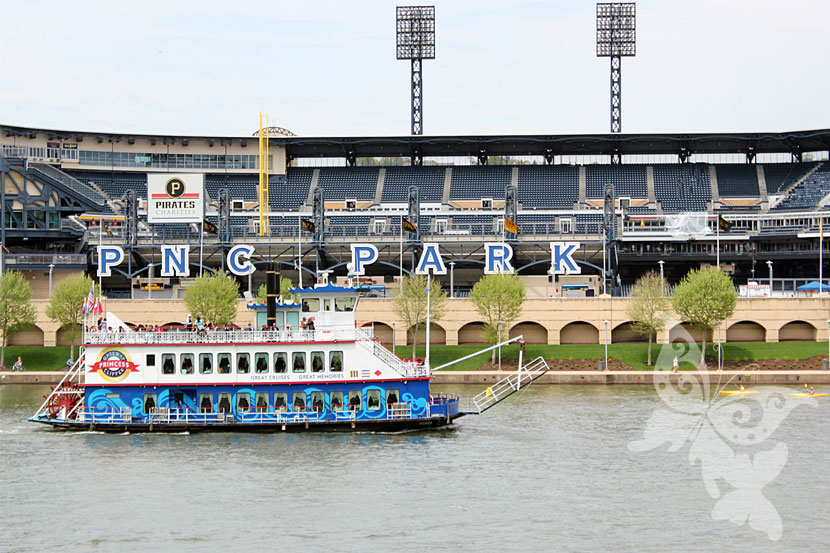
{"type": "Point", "coordinates": [174, 187]}
{"type": "Point", "coordinates": [113, 365]}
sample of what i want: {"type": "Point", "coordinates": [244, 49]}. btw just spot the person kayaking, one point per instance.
{"type": "Point", "coordinates": [741, 387]}
{"type": "Point", "coordinates": [811, 391]}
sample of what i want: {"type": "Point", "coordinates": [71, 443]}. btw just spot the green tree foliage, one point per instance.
{"type": "Point", "coordinates": [66, 307]}
{"type": "Point", "coordinates": [285, 291]}
{"type": "Point", "coordinates": [410, 304]}
{"type": "Point", "coordinates": [649, 307]}
{"type": "Point", "coordinates": [213, 298]}
{"type": "Point", "coordinates": [16, 311]}
{"type": "Point", "coordinates": [498, 298]}
{"type": "Point", "coordinates": [703, 299]}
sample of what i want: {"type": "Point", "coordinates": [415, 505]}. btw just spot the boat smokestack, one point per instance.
{"type": "Point", "coordinates": [271, 292]}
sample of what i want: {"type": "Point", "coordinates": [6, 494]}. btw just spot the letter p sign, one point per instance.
{"type": "Point", "coordinates": [362, 255]}
{"type": "Point", "coordinates": [108, 257]}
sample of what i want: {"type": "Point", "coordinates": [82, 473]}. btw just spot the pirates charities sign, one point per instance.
{"type": "Point", "coordinates": [497, 259]}
{"type": "Point", "coordinates": [175, 198]}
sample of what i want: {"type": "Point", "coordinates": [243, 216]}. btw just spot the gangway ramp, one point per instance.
{"type": "Point", "coordinates": [508, 386]}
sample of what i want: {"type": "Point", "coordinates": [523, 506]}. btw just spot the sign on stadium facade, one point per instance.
{"type": "Point", "coordinates": [175, 198]}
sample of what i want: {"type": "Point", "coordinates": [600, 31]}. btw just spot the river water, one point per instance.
{"type": "Point", "coordinates": [548, 470]}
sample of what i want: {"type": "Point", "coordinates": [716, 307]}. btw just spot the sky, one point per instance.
{"type": "Point", "coordinates": [328, 68]}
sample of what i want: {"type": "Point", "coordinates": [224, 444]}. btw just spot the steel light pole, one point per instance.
{"type": "Point", "coordinates": [605, 322]}
{"type": "Point", "coordinates": [452, 279]}
{"type": "Point", "coordinates": [769, 264]}
{"type": "Point", "coordinates": [51, 268]}
{"type": "Point", "coordinates": [393, 337]}
{"type": "Point", "coordinates": [662, 289]}
{"type": "Point", "coordinates": [720, 364]}
{"type": "Point", "coordinates": [499, 326]}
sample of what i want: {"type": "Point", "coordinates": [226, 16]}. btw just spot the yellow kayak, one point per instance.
{"type": "Point", "coordinates": [808, 395]}
{"type": "Point", "coordinates": [739, 392]}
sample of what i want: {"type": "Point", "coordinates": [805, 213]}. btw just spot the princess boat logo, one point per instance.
{"type": "Point", "coordinates": [114, 365]}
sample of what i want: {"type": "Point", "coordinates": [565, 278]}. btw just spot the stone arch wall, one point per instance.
{"type": "Point", "coordinates": [797, 331]}
{"type": "Point", "coordinates": [472, 333]}
{"type": "Point", "coordinates": [746, 331]}
{"type": "Point", "coordinates": [625, 333]}
{"type": "Point", "coordinates": [63, 338]}
{"type": "Point", "coordinates": [579, 332]}
{"type": "Point", "coordinates": [533, 332]}
{"type": "Point", "coordinates": [437, 335]}
{"type": "Point", "coordinates": [697, 335]}
{"type": "Point", "coordinates": [383, 331]}
{"type": "Point", "coordinates": [31, 336]}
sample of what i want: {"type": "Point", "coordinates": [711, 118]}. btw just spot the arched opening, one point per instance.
{"type": "Point", "coordinates": [472, 333]}
{"type": "Point", "coordinates": [684, 332]}
{"type": "Point", "coordinates": [627, 334]}
{"type": "Point", "coordinates": [29, 336]}
{"type": "Point", "coordinates": [67, 334]}
{"type": "Point", "coordinates": [437, 335]}
{"type": "Point", "coordinates": [383, 332]}
{"type": "Point", "coordinates": [797, 331]}
{"type": "Point", "coordinates": [579, 332]}
{"type": "Point", "coordinates": [533, 333]}
{"type": "Point", "coordinates": [746, 331]}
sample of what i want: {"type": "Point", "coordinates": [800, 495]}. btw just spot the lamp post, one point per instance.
{"type": "Point", "coordinates": [499, 327]}
{"type": "Point", "coordinates": [662, 289]}
{"type": "Point", "coordinates": [720, 365]}
{"type": "Point", "coordinates": [452, 279]}
{"type": "Point", "coordinates": [51, 268]}
{"type": "Point", "coordinates": [769, 264]}
{"type": "Point", "coordinates": [605, 366]}
{"type": "Point", "coordinates": [393, 337]}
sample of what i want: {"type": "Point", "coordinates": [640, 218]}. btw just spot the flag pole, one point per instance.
{"type": "Point", "coordinates": [426, 360]}
{"type": "Point", "coordinates": [820, 256]}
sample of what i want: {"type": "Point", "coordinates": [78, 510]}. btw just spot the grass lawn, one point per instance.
{"type": "Point", "coordinates": [39, 358]}
{"type": "Point", "coordinates": [634, 355]}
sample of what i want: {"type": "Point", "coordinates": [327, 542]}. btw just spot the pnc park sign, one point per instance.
{"type": "Point", "coordinates": [498, 255]}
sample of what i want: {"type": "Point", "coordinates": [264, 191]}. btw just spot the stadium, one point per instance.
{"type": "Point", "coordinates": [753, 203]}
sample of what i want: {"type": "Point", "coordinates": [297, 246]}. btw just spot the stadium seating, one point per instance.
{"type": "Point", "coordinates": [548, 186]}
{"type": "Point", "coordinates": [349, 225]}
{"type": "Point", "coordinates": [348, 183]}
{"type": "Point", "coordinates": [240, 186]}
{"type": "Point", "coordinates": [737, 181]}
{"type": "Point", "coordinates": [629, 181]}
{"type": "Point", "coordinates": [114, 183]}
{"type": "Point", "coordinates": [809, 192]}
{"type": "Point", "coordinates": [780, 176]}
{"type": "Point", "coordinates": [476, 182]}
{"type": "Point", "coordinates": [682, 187]}
{"type": "Point", "coordinates": [429, 180]}
{"type": "Point", "coordinates": [294, 191]}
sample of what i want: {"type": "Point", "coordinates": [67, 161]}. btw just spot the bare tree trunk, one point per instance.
{"type": "Point", "coordinates": [414, 340]}
{"type": "Point", "coordinates": [3, 352]}
{"type": "Point", "coordinates": [703, 351]}
{"type": "Point", "coordinates": [649, 349]}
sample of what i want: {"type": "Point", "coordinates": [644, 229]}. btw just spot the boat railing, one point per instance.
{"type": "Point", "coordinates": [442, 398]}
{"type": "Point", "coordinates": [221, 336]}
{"type": "Point", "coordinates": [106, 415]}
{"type": "Point", "coordinates": [399, 411]}
{"type": "Point", "coordinates": [405, 368]}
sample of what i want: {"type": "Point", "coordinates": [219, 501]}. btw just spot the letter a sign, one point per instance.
{"type": "Point", "coordinates": [561, 260]}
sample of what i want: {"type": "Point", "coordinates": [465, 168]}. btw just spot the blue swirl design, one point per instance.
{"type": "Point", "coordinates": [418, 405]}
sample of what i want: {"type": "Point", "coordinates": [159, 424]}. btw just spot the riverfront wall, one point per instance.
{"type": "Point", "coordinates": [543, 321]}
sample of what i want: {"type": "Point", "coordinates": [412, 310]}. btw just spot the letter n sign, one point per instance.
{"type": "Point", "coordinates": [562, 261]}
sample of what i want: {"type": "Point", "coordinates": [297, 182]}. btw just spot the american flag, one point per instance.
{"type": "Point", "coordinates": [89, 304]}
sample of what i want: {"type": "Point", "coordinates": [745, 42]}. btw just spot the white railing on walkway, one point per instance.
{"type": "Point", "coordinates": [219, 336]}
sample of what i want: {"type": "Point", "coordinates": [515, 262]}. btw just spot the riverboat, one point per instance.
{"type": "Point", "coordinates": [333, 376]}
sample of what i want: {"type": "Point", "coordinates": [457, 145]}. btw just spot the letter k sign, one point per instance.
{"type": "Point", "coordinates": [562, 261]}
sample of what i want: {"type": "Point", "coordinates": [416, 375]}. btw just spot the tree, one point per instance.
{"type": "Point", "coordinates": [498, 298]}
{"type": "Point", "coordinates": [411, 303]}
{"type": "Point", "coordinates": [649, 307]}
{"type": "Point", "coordinates": [285, 291]}
{"type": "Point", "coordinates": [703, 299]}
{"type": "Point", "coordinates": [213, 298]}
{"type": "Point", "coordinates": [66, 307]}
{"type": "Point", "coordinates": [16, 311]}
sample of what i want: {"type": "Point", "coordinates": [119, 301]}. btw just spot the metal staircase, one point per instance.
{"type": "Point", "coordinates": [70, 182]}
{"type": "Point", "coordinates": [67, 398]}
{"type": "Point", "coordinates": [506, 387]}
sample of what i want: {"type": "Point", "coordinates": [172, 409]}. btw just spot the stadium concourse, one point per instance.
{"type": "Point", "coordinates": [755, 202]}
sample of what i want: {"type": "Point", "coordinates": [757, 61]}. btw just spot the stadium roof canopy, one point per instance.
{"type": "Point", "coordinates": [679, 144]}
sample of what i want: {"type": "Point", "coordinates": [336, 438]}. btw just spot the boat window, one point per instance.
{"type": "Point", "coordinates": [311, 305]}
{"type": "Point", "coordinates": [261, 402]}
{"type": "Point", "coordinates": [392, 396]}
{"type": "Point", "coordinates": [243, 363]}
{"type": "Point", "coordinates": [280, 401]}
{"type": "Point", "coordinates": [150, 360]}
{"type": "Point", "coordinates": [298, 401]}
{"type": "Point", "coordinates": [224, 363]}
{"type": "Point", "coordinates": [205, 363]}
{"type": "Point", "coordinates": [280, 362]}
{"type": "Point", "coordinates": [113, 396]}
{"type": "Point", "coordinates": [318, 361]}
{"type": "Point", "coordinates": [326, 304]}
{"type": "Point", "coordinates": [224, 403]}
{"type": "Point", "coordinates": [187, 363]}
{"type": "Point", "coordinates": [336, 361]}
{"type": "Point", "coordinates": [243, 402]}
{"type": "Point", "coordinates": [318, 401]}
{"type": "Point", "coordinates": [336, 400]}
{"type": "Point", "coordinates": [206, 403]}
{"type": "Point", "coordinates": [373, 400]}
{"type": "Point", "coordinates": [298, 362]}
{"type": "Point", "coordinates": [354, 400]}
{"type": "Point", "coordinates": [149, 403]}
{"type": "Point", "coordinates": [344, 304]}
{"type": "Point", "coordinates": [280, 320]}
{"type": "Point", "coordinates": [292, 319]}
{"type": "Point", "coordinates": [168, 363]}
{"type": "Point", "coordinates": [261, 363]}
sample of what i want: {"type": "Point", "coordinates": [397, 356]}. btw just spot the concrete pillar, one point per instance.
{"type": "Point", "coordinates": [451, 336]}
{"type": "Point", "coordinates": [772, 335]}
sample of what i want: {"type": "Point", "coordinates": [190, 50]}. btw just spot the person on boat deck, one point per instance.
{"type": "Point", "coordinates": [200, 324]}
{"type": "Point", "coordinates": [303, 323]}
{"type": "Point", "coordinates": [310, 323]}
{"type": "Point", "coordinates": [188, 322]}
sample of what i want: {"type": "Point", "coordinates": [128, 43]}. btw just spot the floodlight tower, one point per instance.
{"type": "Point", "coordinates": [616, 37]}
{"type": "Point", "coordinates": [416, 42]}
